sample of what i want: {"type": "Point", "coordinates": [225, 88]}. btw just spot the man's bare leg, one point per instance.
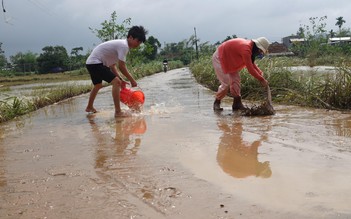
{"type": "Point", "coordinates": [90, 107]}
{"type": "Point", "coordinates": [116, 88]}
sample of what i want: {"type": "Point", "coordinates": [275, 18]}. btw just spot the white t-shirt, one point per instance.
{"type": "Point", "coordinates": [109, 52]}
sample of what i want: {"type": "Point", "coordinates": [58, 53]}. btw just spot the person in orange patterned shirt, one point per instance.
{"type": "Point", "coordinates": [229, 59]}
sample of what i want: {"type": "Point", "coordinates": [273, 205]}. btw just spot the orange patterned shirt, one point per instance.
{"type": "Point", "coordinates": [235, 54]}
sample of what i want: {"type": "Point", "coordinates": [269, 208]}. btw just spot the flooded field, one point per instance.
{"type": "Point", "coordinates": [26, 91]}
{"type": "Point", "coordinates": [175, 159]}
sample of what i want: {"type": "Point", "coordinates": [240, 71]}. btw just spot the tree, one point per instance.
{"type": "Point", "coordinates": [340, 21]}
{"type": "Point", "coordinates": [301, 33]}
{"type": "Point", "coordinates": [191, 42]}
{"type": "Point", "coordinates": [3, 60]}
{"type": "Point", "coordinates": [24, 62]}
{"type": "Point", "coordinates": [53, 59]}
{"type": "Point", "coordinates": [179, 51]}
{"type": "Point", "coordinates": [315, 34]}
{"type": "Point", "coordinates": [75, 51]}
{"type": "Point", "coordinates": [344, 32]}
{"type": "Point", "coordinates": [111, 29]}
{"type": "Point", "coordinates": [76, 60]}
{"type": "Point", "coordinates": [206, 48]}
{"type": "Point", "coordinates": [331, 33]}
{"type": "Point", "coordinates": [154, 44]}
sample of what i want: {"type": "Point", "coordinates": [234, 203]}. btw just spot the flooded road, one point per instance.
{"type": "Point", "coordinates": [176, 159]}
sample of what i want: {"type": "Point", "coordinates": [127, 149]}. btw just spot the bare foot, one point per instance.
{"type": "Point", "coordinates": [90, 110]}
{"type": "Point", "coordinates": [121, 114]}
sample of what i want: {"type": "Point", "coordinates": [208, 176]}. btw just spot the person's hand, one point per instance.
{"type": "Point", "coordinates": [123, 84]}
{"type": "Point", "coordinates": [134, 83]}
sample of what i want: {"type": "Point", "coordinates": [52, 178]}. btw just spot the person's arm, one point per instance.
{"type": "Point", "coordinates": [255, 71]}
{"type": "Point", "coordinates": [123, 68]}
{"type": "Point", "coordinates": [115, 71]}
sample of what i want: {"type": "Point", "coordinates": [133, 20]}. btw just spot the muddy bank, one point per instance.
{"type": "Point", "coordinates": [177, 159]}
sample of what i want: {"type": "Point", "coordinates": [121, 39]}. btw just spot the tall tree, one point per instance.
{"type": "Point", "coordinates": [77, 60]}
{"type": "Point", "coordinates": [301, 32]}
{"type": "Point", "coordinates": [53, 59]}
{"type": "Point", "coordinates": [154, 44]}
{"type": "Point", "coordinates": [75, 51]}
{"type": "Point", "coordinates": [331, 33]}
{"type": "Point", "coordinates": [340, 21]}
{"type": "Point", "coordinates": [24, 62]}
{"type": "Point", "coordinates": [3, 60]}
{"type": "Point", "coordinates": [111, 29]}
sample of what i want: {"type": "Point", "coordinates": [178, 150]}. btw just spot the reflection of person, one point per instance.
{"type": "Point", "coordinates": [229, 59]}
{"type": "Point", "coordinates": [101, 65]}
{"type": "Point", "coordinates": [127, 130]}
{"type": "Point", "coordinates": [237, 157]}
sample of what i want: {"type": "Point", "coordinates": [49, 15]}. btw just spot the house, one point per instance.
{"type": "Point", "coordinates": [278, 49]}
{"type": "Point", "coordinates": [290, 40]}
{"type": "Point", "coordinates": [339, 40]}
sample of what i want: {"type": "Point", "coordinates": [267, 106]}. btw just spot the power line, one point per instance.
{"type": "Point", "coordinates": [42, 7]}
{"type": "Point", "coordinates": [3, 8]}
{"type": "Point", "coordinates": [7, 19]}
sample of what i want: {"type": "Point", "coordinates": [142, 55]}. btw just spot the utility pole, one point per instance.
{"type": "Point", "coordinates": [197, 51]}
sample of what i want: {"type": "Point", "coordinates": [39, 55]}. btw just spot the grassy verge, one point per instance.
{"type": "Point", "coordinates": [331, 91]}
{"type": "Point", "coordinates": [13, 107]}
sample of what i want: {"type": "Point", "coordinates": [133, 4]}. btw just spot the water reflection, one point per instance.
{"type": "Point", "coordinates": [342, 126]}
{"type": "Point", "coordinates": [128, 133]}
{"type": "Point", "coordinates": [237, 157]}
{"type": "Point", "coordinates": [125, 141]}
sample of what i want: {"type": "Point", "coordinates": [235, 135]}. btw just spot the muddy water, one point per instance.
{"type": "Point", "coordinates": [176, 159]}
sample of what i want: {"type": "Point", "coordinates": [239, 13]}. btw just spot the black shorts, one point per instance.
{"type": "Point", "coordinates": [99, 72]}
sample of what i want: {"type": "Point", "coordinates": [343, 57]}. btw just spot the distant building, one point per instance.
{"type": "Point", "coordinates": [278, 49]}
{"type": "Point", "coordinates": [290, 40]}
{"type": "Point", "coordinates": [339, 40]}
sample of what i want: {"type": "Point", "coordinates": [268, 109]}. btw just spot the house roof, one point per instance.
{"type": "Point", "coordinates": [340, 39]}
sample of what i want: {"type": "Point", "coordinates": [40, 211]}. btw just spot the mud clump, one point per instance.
{"type": "Point", "coordinates": [265, 109]}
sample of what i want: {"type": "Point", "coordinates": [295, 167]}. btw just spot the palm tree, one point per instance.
{"type": "Point", "coordinates": [339, 23]}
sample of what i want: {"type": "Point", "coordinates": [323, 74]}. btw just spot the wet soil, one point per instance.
{"type": "Point", "coordinates": [175, 159]}
{"type": "Point", "coordinates": [264, 109]}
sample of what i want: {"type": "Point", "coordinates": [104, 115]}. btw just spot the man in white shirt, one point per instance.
{"type": "Point", "coordinates": [101, 65]}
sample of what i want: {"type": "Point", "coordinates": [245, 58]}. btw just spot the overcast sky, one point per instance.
{"type": "Point", "coordinates": [30, 25]}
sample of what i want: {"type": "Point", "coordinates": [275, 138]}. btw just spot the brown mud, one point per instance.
{"type": "Point", "coordinates": [265, 109]}
{"type": "Point", "coordinates": [175, 159]}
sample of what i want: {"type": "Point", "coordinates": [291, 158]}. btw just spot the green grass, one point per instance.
{"type": "Point", "coordinates": [13, 107]}
{"type": "Point", "coordinates": [331, 91]}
